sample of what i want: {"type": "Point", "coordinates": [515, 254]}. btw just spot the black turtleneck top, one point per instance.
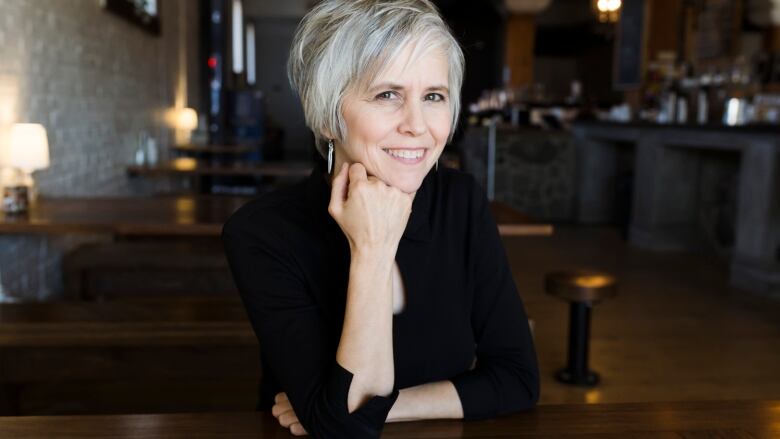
{"type": "Point", "coordinates": [463, 320]}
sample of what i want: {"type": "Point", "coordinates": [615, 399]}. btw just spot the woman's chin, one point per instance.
{"type": "Point", "coordinates": [407, 179]}
{"type": "Point", "coordinates": [408, 184]}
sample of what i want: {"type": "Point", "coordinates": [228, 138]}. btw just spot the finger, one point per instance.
{"type": "Point", "coordinates": [357, 172]}
{"type": "Point", "coordinates": [287, 418]}
{"type": "Point", "coordinates": [280, 397]}
{"type": "Point", "coordinates": [297, 429]}
{"type": "Point", "coordinates": [280, 408]}
{"type": "Point", "coordinates": [338, 191]}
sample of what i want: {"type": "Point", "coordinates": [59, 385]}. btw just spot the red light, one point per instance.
{"type": "Point", "coordinates": [212, 62]}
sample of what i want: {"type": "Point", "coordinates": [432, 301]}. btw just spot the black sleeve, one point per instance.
{"type": "Point", "coordinates": [506, 376]}
{"type": "Point", "coordinates": [290, 330]}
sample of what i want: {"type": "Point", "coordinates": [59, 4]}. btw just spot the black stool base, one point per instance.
{"type": "Point", "coordinates": [588, 379]}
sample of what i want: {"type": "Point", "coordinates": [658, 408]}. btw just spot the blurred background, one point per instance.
{"type": "Point", "coordinates": [631, 150]}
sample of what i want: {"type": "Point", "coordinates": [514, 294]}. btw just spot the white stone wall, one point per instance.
{"type": "Point", "coordinates": [95, 82]}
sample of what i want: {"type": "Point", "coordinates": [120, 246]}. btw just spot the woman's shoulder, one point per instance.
{"type": "Point", "coordinates": [268, 215]}
{"type": "Point", "coordinates": [459, 187]}
{"type": "Point", "coordinates": [455, 179]}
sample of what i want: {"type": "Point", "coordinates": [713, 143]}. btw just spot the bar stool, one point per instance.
{"type": "Point", "coordinates": [582, 289]}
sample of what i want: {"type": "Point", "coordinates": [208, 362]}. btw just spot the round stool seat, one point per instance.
{"type": "Point", "coordinates": [581, 285]}
{"type": "Point", "coordinates": [582, 289]}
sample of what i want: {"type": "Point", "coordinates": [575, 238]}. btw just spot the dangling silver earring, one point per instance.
{"type": "Point", "coordinates": [330, 156]}
{"type": "Point", "coordinates": [437, 166]}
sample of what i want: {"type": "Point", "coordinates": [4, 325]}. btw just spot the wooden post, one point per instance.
{"type": "Point", "coordinates": [519, 58]}
{"type": "Point", "coordinates": [773, 40]}
{"type": "Point", "coordinates": [663, 29]}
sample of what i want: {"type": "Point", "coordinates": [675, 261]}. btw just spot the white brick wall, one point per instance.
{"type": "Point", "coordinates": [95, 82]}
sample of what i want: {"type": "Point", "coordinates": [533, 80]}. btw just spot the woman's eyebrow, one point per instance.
{"type": "Point", "coordinates": [386, 86]}
{"type": "Point", "coordinates": [442, 88]}
{"type": "Point", "coordinates": [394, 86]}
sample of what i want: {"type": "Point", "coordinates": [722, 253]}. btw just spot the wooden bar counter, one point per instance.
{"type": "Point", "coordinates": [715, 419]}
{"type": "Point", "coordinates": [667, 174]}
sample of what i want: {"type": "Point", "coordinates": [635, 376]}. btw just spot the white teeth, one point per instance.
{"type": "Point", "coordinates": [405, 153]}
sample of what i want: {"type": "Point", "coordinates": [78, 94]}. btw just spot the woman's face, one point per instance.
{"type": "Point", "coordinates": [398, 127]}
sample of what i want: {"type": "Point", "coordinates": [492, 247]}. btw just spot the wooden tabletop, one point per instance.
{"type": "Point", "coordinates": [190, 168]}
{"type": "Point", "coordinates": [216, 149]}
{"type": "Point", "coordinates": [141, 216]}
{"type": "Point", "coordinates": [714, 419]}
{"type": "Point", "coordinates": [182, 216]}
{"type": "Point", "coordinates": [151, 322]}
{"type": "Point", "coordinates": [512, 222]}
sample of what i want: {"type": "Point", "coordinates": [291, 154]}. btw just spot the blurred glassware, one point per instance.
{"type": "Point", "coordinates": [767, 108]}
{"type": "Point", "coordinates": [140, 151]}
{"type": "Point", "coordinates": [736, 112]}
{"type": "Point", "coordinates": [152, 156]}
{"type": "Point", "coordinates": [16, 199]}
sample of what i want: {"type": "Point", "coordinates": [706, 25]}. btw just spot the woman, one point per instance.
{"type": "Point", "coordinates": [378, 288]}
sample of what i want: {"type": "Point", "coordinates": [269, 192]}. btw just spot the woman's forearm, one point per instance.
{"type": "Point", "coordinates": [366, 345]}
{"type": "Point", "coordinates": [437, 400]}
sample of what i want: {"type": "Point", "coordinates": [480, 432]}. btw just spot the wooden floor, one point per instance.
{"type": "Point", "coordinates": [676, 331]}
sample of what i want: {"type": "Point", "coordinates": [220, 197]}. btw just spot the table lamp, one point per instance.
{"type": "Point", "coordinates": [186, 120]}
{"type": "Point", "coordinates": [27, 151]}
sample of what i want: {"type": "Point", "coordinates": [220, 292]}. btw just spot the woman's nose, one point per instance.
{"type": "Point", "coordinates": [413, 122]}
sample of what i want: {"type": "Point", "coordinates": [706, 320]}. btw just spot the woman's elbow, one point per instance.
{"type": "Point", "coordinates": [524, 395]}
{"type": "Point", "coordinates": [328, 419]}
{"type": "Point", "coordinates": [533, 390]}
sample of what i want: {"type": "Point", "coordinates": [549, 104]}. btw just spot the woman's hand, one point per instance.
{"type": "Point", "coordinates": [371, 214]}
{"type": "Point", "coordinates": [283, 412]}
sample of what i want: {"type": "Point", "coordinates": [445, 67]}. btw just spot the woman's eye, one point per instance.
{"type": "Point", "coordinates": [386, 95]}
{"type": "Point", "coordinates": [435, 97]}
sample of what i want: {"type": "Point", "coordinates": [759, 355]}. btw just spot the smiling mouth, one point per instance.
{"type": "Point", "coordinates": [408, 156]}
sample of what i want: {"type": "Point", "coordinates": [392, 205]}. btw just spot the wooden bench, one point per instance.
{"type": "Point", "coordinates": [160, 267]}
{"type": "Point", "coordinates": [127, 357]}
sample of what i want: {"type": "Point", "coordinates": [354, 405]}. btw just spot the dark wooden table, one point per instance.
{"type": "Point", "coordinates": [218, 321]}
{"type": "Point", "coordinates": [135, 356]}
{"type": "Point", "coordinates": [216, 149]}
{"type": "Point", "coordinates": [182, 216]}
{"type": "Point", "coordinates": [512, 222]}
{"type": "Point", "coordinates": [716, 419]}
{"type": "Point", "coordinates": [180, 168]}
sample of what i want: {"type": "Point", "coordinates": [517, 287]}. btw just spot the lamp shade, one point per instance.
{"type": "Point", "coordinates": [186, 119]}
{"type": "Point", "coordinates": [28, 147]}
{"type": "Point", "coordinates": [608, 5]}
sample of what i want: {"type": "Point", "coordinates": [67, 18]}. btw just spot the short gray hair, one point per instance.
{"type": "Point", "coordinates": [341, 44]}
